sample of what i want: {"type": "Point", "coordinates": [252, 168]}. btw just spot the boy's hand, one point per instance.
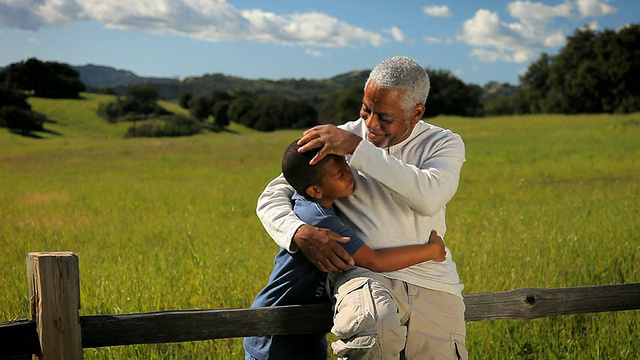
{"type": "Point", "coordinates": [436, 241]}
{"type": "Point", "coordinates": [321, 247]}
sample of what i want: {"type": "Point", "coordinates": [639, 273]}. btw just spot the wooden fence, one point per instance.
{"type": "Point", "coordinates": [56, 331]}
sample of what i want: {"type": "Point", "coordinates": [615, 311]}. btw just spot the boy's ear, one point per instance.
{"type": "Point", "coordinates": [314, 192]}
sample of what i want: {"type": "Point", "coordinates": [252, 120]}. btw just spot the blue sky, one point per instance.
{"type": "Point", "coordinates": [478, 41]}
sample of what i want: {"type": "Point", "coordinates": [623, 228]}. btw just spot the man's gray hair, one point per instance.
{"type": "Point", "coordinates": [404, 74]}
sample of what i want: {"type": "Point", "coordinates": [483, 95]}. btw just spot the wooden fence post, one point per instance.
{"type": "Point", "coordinates": [54, 293]}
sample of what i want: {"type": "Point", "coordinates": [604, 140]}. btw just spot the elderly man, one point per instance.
{"type": "Point", "coordinates": [411, 170]}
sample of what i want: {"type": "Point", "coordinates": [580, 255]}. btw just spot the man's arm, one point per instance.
{"type": "Point", "coordinates": [425, 187]}
{"type": "Point", "coordinates": [320, 246]}
{"type": "Point", "coordinates": [275, 211]}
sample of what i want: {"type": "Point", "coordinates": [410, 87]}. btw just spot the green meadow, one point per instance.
{"type": "Point", "coordinates": [169, 223]}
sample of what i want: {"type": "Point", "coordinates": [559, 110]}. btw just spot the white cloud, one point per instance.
{"type": "Point", "coordinates": [437, 10]}
{"type": "Point", "coordinates": [209, 20]}
{"type": "Point", "coordinates": [519, 41]}
{"type": "Point", "coordinates": [485, 55]}
{"type": "Point", "coordinates": [595, 8]}
{"type": "Point", "coordinates": [398, 35]}
{"type": "Point", "coordinates": [593, 25]}
{"type": "Point", "coordinates": [485, 29]}
{"type": "Point", "coordinates": [534, 16]}
{"type": "Point", "coordinates": [522, 56]}
{"type": "Point", "coordinates": [555, 39]}
{"type": "Point", "coordinates": [432, 39]}
{"type": "Point", "coordinates": [314, 53]}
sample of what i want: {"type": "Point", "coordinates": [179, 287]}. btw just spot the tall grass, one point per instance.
{"type": "Point", "coordinates": [549, 201]}
{"type": "Point", "coordinates": [158, 224]}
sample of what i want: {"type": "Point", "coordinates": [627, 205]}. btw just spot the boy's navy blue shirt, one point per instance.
{"type": "Point", "coordinates": [296, 281]}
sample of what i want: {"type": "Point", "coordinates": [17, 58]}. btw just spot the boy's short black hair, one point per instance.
{"type": "Point", "coordinates": [297, 170]}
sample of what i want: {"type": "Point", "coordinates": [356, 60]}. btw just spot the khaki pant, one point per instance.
{"type": "Point", "coordinates": [380, 318]}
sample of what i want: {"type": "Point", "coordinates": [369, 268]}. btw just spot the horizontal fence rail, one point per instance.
{"type": "Point", "coordinates": [21, 338]}
{"type": "Point", "coordinates": [531, 303]}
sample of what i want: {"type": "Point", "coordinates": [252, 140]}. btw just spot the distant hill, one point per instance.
{"type": "Point", "coordinates": [304, 89]}
{"type": "Point", "coordinates": [96, 77]}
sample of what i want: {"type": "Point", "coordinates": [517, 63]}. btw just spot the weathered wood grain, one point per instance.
{"type": "Point", "coordinates": [531, 303]}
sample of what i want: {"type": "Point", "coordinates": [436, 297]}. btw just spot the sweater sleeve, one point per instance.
{"type": "Point", "coordinates": [275, 211]}
{"type": "Point", "coordinates": [426, 187]}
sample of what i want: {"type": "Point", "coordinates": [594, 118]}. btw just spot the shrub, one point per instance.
{"type": "Point", "coordinates": [17, 119]}
{"type": "Point", "coordinates": [171, 126]}
{"type": "Point", "coordinates": [13, 97]}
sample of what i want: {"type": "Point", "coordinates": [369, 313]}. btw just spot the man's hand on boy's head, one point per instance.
{"type": "Point", "coordinates": [330, 139]}
{"type": "Point", "coordinates": [321, 247]}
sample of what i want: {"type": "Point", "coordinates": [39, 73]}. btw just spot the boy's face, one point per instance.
{"type": "Point", "coordinates": [338, 180]}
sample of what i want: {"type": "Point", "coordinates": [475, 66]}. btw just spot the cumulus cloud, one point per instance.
{"type": "Point", "coordinates": [518, 41]}
{"type": "Point", "coordinates": [432, 39]}
{"type": "Point", "coordinates": [534, 16]}
{"type": "Point", "coordinates": [490, 55]}
{"type": "Point", "coordinates": [594, 26]}
{"type": "Point", "coordinates": [437, 10]}
{"type": "Point", "coordinates": [314, 53]}
{"type": "Point", "coordinates": [209, 20]}
{"type": "Point", "coordinates": [595, 8]}
{"type": "Point", "coordinates": [398, 35]}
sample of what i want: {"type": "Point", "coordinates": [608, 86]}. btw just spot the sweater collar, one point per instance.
{"type": "Point", "coordinates": [413, 134]}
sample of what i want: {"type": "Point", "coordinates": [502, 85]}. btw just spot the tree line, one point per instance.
{"type": "Point", "coordinates": [594, 72]}
{"type": "Point", "coordinates": [264, 112]}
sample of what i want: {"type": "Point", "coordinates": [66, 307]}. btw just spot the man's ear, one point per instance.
{"type": "Point", "coordinates": [417, 113]}
{"type": "Point", "coordinates": [314, 191]}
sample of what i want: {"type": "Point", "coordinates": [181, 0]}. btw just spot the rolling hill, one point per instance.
{"type": "Point", "coordinates": [97, 77]}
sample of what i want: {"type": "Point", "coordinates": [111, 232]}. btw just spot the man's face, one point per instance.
{"type": "Point", "coordinates": [338, 180]}
{"type": "Point", "coordinates": [384, 116]}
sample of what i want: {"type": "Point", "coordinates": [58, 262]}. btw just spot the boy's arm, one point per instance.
{"type": "Point", "coordinates": [387, 259]}
{"type": "Point", "coordinates": [275, 211]}
{"type": "Point", "coordinates": [390, 259]}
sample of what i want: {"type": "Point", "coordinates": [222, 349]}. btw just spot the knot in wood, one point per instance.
{"type": "Point", "coordinates": [531, 300]}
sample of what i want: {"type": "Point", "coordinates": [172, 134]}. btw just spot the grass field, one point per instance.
{"type": "Point", "coordinates": [159, 224]}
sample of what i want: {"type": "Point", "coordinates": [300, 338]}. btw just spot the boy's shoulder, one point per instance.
{"type": "Point", "coordinates": [310, 211]}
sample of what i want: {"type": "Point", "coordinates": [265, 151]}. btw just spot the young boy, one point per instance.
{"type": "Point", "coordinates": [295, 280]}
